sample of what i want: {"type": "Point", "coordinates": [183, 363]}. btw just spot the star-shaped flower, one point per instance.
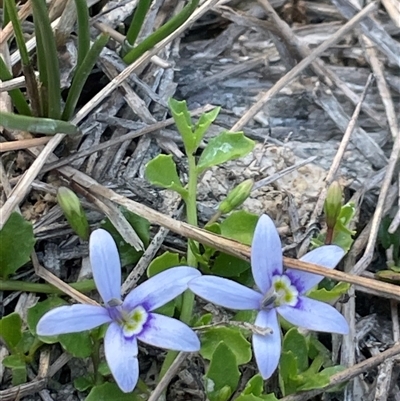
{"type": "Point", "coordinates": [129, 320]}
{"type": "Point", "coordinates": [279, 292]}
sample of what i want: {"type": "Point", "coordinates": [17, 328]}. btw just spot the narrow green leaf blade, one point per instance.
{"type": "Point", "coordinates": [82, 74]}
{"type": "Point", "coordinates": [82, 13]}
{"type": "Point", "coordinates": [16, 95]}
{"type": "Point", "coordinates": [49, 49]}
{"type": "Point", "coordinates": [41, 125]}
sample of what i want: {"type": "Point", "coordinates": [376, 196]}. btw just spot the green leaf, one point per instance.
{"type": "Point", "coordinates": [288, 372]}
{"type": "Point", "coordinates": [229, 266]}
{"type": "Point", "coordinates": [203, 124]}
{"type": "Point", "coordinates": [47, 52]}
{"type": "Point", "coordinates": [223, 373]}
{"type": "Point", "coordinates": [252, 397]}
{"type": "Point", "coordinates": [296, 343]}
{"type": "Point", "coordinates": [110, 391]}
{"type": "Point", "coordinates": [79, 345]}
{"type": "Point", "coordinates": [245, 316]}
{"type": "Point", "coordinates": [232, 337]}
{"type": "Point", "coordinates": [183, 123]}
{"type": "Point", "coordinates": [322, 379]}
{"type": "Point", "coordinates": [13, 361]}
{"type": "Point", "coordinates": [162, 262]}
{"type": "Point", "coordinates": [128, 253]}
{"type": "Point", "coordinates": [82, 73]}
{"type": "Point", "coordinates": [224, 147]}
{"type": "Point", "coordinates": [83, 383]}
{"type": "Point", "coordinates": [11, 329]}
{"type": "Point", "coordinates": [18, 367]}
{"type": "Point", "coordinates": [38, 310]}
{"type": "Point", "coordinates": [240, 226]}
{"type": "Point", "coordinates": [47, 126]}
{"type": "Point", "coordinates": [324, 295]}
{"type": "Point", "coordinates": [161, 33]}
{"type": "Point", "coordinates": [161, 171]}
{"type": "Point", "coordinates": [17, 242]}
{"type": "Point", "coordinates": [16, 95]}
{"type": "Point", "coordinates": [137, 21]}
{"type": "Point", "coordinates": [82, 13]}
{"type": "Point", "coordinates": [254, 386]}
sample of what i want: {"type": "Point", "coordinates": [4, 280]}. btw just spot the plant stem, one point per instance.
{"type": "Point", "coordinates": [14, 285]}
{"type": "Point", "coordinates": [191, 216]}
{"type": "Point", "coordinates": [96, 359]}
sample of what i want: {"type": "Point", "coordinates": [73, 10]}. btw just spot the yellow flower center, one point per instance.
{"type": "Point", "coordinates": [282, 292]}
{"type": "Point", "coordinates": [132, 323]}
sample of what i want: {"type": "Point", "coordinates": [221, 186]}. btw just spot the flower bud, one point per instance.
{"type": "Point", "coordinates": [333, 204]}
{"type": "Point", "coordinates": [236, 197]}
{"type": "Point", "coordinates": [73, 211]}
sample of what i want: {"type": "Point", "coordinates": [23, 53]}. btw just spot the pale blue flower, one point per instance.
{"type": "Point", "coordinates": [129, 320]}
{"type": "Point", "coordinates": [279, 292]}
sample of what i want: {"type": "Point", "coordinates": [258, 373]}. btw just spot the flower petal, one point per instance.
{"type": "Point", "coordinates": [328, 256]}
{"type": "Point", "coordinates": [226, 293]}
{"type": "Point", "coordinates": [267, 348]}
{"type": "Point", "coordinates": [266, 253]}
{"type": "Point", "coordinates": [165, 332]}
{"type": "Point", "coordinates": [162, 288]}
{"type": "Point", "coordinates": [314, 315]}
{"type": "Point", "coordinates": [72, 319]}
{"type": "Point", "coordinates": [106, 265]}
{"type": "Point", "coordinates": [121, 355]}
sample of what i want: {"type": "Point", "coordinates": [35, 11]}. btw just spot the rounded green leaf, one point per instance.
{"type": "Point", "coordinates": [17, 242]}
{"type": "Point", "coordinates": [223, 374]}
{"type": "Point", "coordinates": [232, 337]}
{"type": "Point", "coordinates": [229, 266]}
{"type": "Point", "coordinates": [79, 345]}
{"type": "Point", "coordinates": [224, 147]}
{"type": "Point", "coordinates": [161, 171]}
{"type": "Point", "coordinates": [240, 226]}
{"type": "Point", "coordinates": [110, 391]}
{"type": "Point", "coordinates": [162, 262]}
{"type": "Point", "coordinates": [11, 329]}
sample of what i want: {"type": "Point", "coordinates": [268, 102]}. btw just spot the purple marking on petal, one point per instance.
{"type": "Point", "coordinates": [121, 355]}
{"type": "Point", "coordinates": [266, 253]}
{"type": "Point", "coordinates": [327, 256]}
{"type": "Point", "coordinates": [161, 288]}
{"type": "Point", "coordinates": [165, 332]}
{"type": "Point", "coordinates": [72, 319]}
{"type": "Point", "coordinates": [314, 315]}
{"type": "Point", "coordinates": [106, 265]}
{"type": "Point", "coordinates": [267, 348]}
{"type": "Point", "coordinates": [226, 293]}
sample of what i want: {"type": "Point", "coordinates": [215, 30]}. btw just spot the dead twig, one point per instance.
{"type": "Point", "coordinates": [265, 97]}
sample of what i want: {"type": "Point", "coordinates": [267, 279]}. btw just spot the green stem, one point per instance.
{"type": "Point", "coordinates": [191, 216]}
{"type": "Point", "coordinates": [96, 359]}
{"type": "Point", "coordinates": [14, 285]}
{"type": "Point", "coordinates": [32, 350]}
